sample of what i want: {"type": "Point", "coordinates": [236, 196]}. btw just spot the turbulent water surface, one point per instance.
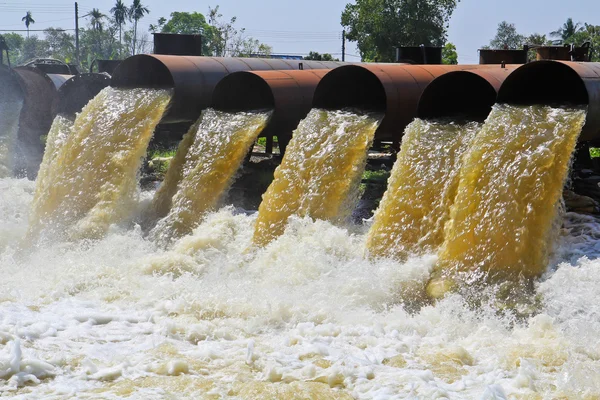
{"type": "Point", "coordinates": [88, 179]}
{"type": "Point", "coordinates": [320, 171]}
{"type": "Point", "coordinates": [305, 317]}
{"type": "Point", "coordinates": [510, 186]}
{"type": "Point", "coordinates": [220, 142]}
{"type": "Point", "coordinates": [9, 127]}
{"type": "Point", "coordinates": [421, 189]}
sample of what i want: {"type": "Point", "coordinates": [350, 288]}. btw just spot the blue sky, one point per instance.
{"type": "Point", "coordinates": [302, 26]}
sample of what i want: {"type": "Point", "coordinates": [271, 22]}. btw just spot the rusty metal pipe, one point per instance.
{"type": "Point", "coordinates": [77, 91]}
{"type": "Point", "coordinates": [288, 93]}
{"type": "Point", "coordinates": [557, 83]}
{"type": "Point", "coordinates": [390, 88]}
{"type": "Point", "coordinates": [467, 95]}
{"type": "Point", "coordinates": [10, 89]}
{"type": "Point", "coordinates": [194, 78]}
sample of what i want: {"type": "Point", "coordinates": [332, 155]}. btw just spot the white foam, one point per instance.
{"type": "Point", "coordinates": [119, 318]}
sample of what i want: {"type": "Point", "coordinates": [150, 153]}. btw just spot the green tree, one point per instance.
{"type": "Point", "coordinates": [449, 54]}
{"type": "Point", "coordinates": [589, 33]}
{"type": "Point", "coordinates": [567, 30]}
{"type": "Point", "coordinates": [378, 26]}
{"type": "Point", "coordinates": [313, 55]}
{"type": "Point", "coordinates": [14, 41]}
{"type": "Point", "coordinates": [60, 44]}
{"type": "Point", "coordinates": [119, 12]}
{"type": "Point", "coordinates": [137, 12]}
{"type": "Point", "coordinates": [28, 19]}
{"type": "Point", "coordinates": [507, 37]}
{"type": "Point", "coordinates": [33, 47]}
{"type": "Point", "coordinates": [96, 19]}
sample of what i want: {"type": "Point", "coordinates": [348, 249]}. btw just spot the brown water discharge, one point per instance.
{"type": "Point", "coordinates": [320, 171]}
{"type": "Point", "coordinates": [221, 141]}
{"type": "Point", "coordinates": [511, 182]}
{"type": "Point", "coordinates": [9, 127]}
{"type": "Point", "coordinates": [90, 178]}
{"type": "Point", "coordinates": [421, 189]}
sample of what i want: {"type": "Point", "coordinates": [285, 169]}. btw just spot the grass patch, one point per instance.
{"type": "Point", "coordinates": [376, 176]}
{"type": "Point", "coordinates": [595, 152]}
{"type": "Point", "coordinates": [161, 153]}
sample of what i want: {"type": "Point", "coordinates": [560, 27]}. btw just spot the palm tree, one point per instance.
{"type": "Point", "coordinates": [568, 29]}
{"type": "Point", "coordinates": [28, 19]}
{"type": "Point", "coordinates": [96, 20]}
{"type": "Point", "coordinates": [136, 12]}
{"type": "Point", "coordinates": [119, 11]}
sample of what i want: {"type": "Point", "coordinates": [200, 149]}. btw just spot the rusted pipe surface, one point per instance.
{"type": "Point", "coordinates": [288, 93]}
{"type": "Point", "coordinates": [194, 78]}
{"type": "Point", "coordinates": [557, 83]}
{"type": "Point", "coordinates": [77, 91]}
{"type": "Point", "coordinates": [390, 88]}
{"type": "Point", "coordinates": [467, 95]}
{"type": "Point", "coordinates": [10, 89]}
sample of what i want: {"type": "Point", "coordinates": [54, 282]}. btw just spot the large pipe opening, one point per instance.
{"type": "Point", "coordinates": [243, 91]}
{"type": "Point", "coordinates": [78, 91]}
{"type": "Point", "coordinates": [142, 71]}
{"type": "Point", "coordinates": [546, 83]}
{"type": "Point", "coordinates": [350, 86]}
{"type": "Point", "coordinates": [460, 95]}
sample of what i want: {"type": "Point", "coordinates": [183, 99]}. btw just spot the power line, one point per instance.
{"type": "Point", "coordinates": [33, 30]}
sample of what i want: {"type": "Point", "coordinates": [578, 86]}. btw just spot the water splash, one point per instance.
{"type": "Point", "coordinates": [421, 189]}
{"type": "Point", "coordinates": [222, 140]}
{"type": "Point", "coordinates": [91, 181]}
{"type": "Point", "coordinates": [320, 171]}
{"type": "Point", "coordinates": [511, 182]}
{"type": "Point", "coordinates": [9, 128]}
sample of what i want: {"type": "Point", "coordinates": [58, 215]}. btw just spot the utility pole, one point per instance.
{"type": "Point", "coordinates": [344, 45]}
{"type": "Point", "coordinates": [77, 34]}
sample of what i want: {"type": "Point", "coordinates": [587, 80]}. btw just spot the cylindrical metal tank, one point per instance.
{"type": "Point", "coordinates": [558, 83]}
{"type": "Point", "coordinates": [467, 95]}
{"type": "Point", "coordinates": [193, 79]}
{"type": "Point", "coordinates": [288, 93]}
{"type": "Point", "coordinates": [390, 88]}
{"type": "Point", "coordinates": [10, 89]}
{"type": "Point", "coordinates": [77, 91]}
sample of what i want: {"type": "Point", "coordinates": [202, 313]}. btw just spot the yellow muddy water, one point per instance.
{"type": "Point", "coordinates": [9, 127]}
{"type": "Point", "coordinates": [511, 182]}
{"type": "Point", "coordinates": [421, 189]}
{"type": "Point", "coordinates": [222, 140]}
{"type": "Point", "coordinates": [320, 171]}
{"type": "Point", "coordinates": [89, 178]}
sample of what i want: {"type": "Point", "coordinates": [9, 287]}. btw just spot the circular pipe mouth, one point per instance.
{"type": "Point", "coordinates": [242, 91]}
{"type": "Point", "coordinates": [75, 93]}
{"type": "Point", "coordinates": [546, 83]}
{"type": "Point", "coordinates": [142, 71]}
{"type": "Point", "coordinates": [350, 86]}
{"type": "Point", "coordinates": [460, 95]}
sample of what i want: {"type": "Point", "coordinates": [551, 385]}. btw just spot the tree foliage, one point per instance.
{"type": "Point", "coordinates": [220, 37]}
{"type": "Point", "coordinates": [378, 26]}
{"type": "Point", "coordinates": [313, 55]}
{"type": "Point", "coordinates": [449, 54]}
{"type": "Point", "coordinates": [28, 19]}
{"type": "Point", "coordinates": [567, 30]}
{"type": "Point", "coordinates": [507, 37]}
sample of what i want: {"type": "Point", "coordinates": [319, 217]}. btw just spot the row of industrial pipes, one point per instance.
{"type": "Point", "coordinates": [292, 88]}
